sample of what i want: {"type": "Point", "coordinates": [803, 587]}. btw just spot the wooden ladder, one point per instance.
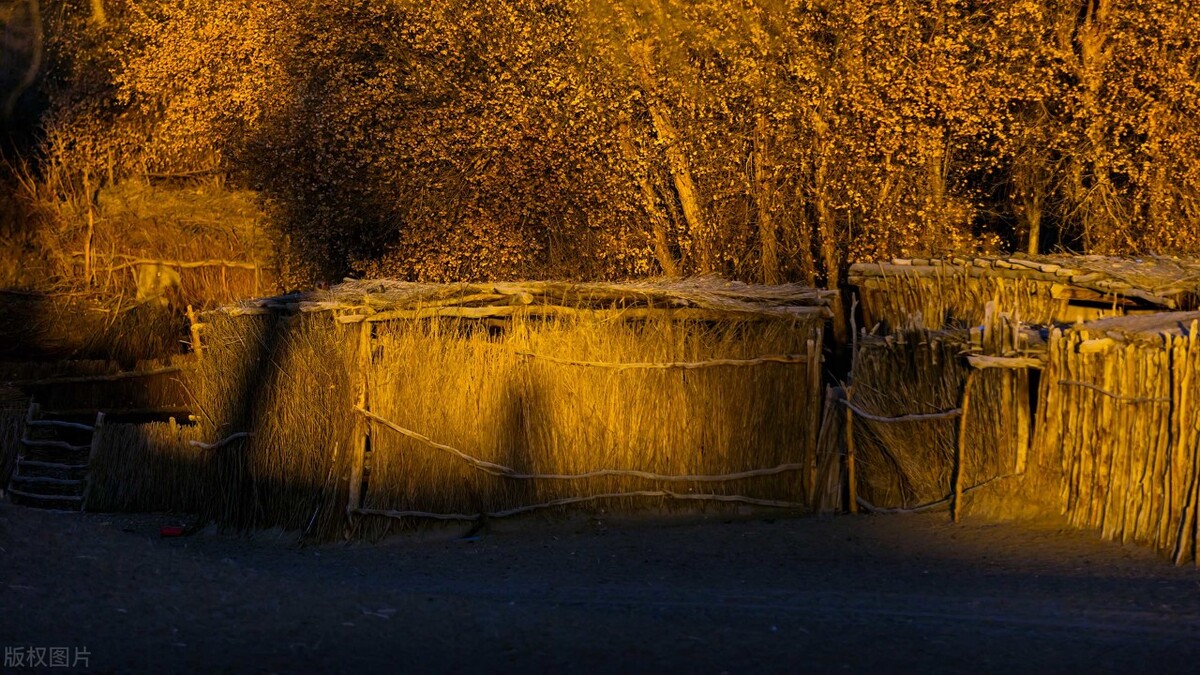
{"type": "Point", "coordinates": [52, 462]}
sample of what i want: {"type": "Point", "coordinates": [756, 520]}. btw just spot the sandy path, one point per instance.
{"type": "Point", "coordinates": [870, 593]}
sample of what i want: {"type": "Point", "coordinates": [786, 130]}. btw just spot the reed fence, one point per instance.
{"type": "Point", "coordinates": [375, 403]}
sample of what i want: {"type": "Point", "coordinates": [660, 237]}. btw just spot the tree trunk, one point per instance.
{"type": "Point", "coordinates": [98, 18]}
{"type": "Point", "coordinates": [935, 197]}
{"type": "Point", "coordinates": [831, 249]}
{"type": "Point", "coordinates": [763, 199]}
{"type": "Point", "coordinates": [1096, 195]}
{"type": "Point", "coordinates": [659, 222]}
{"type": "Point", "coordinates": [677, 160]}
{"type": "Point", "coordinates": [35, 62]}
{"type": "Point", "coordinates": [1033, 226]}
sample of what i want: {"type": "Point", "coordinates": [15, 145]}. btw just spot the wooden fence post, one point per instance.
{"type": "Point", "coordinates": [361, 365]}
{"type": "Point", "coordinates": [851, 477]}
{"type": "Point", "coordinates": [814, 415]}
{"type": "Point", "coordinates": [92, 450]}
{"type": "Point", "coordinates": [959, 464]}
{"type": "Point", "coordinates": [194, 329]}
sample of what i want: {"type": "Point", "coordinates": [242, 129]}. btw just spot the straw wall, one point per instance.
{"type": "Point", "coordinates": [574, 396]}
{"type": "Point", "coordinates": [149, 467]}
{"type": "Point", "coordinates": [908, 396]}
{"type": "Point", "coordinates": [1121, 424]}
{"type": "Point", "coordinates": [274, 396]}
{"type": "Point", "coordinates": [12, 426]}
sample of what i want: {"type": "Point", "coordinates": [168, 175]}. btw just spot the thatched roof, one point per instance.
{"type": "Point", "coordinates": [697, 298]}
{"type": "Point", "coordinates": [1166, 282]}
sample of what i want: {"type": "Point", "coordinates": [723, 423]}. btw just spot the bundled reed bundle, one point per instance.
{"type": "Point", "coordinates": [1119, 424]}
{"type": "Point", "coordinates": [905, 394]}
{"type": "Point", "coordinates": [828, 492]}
{"type": "Point", "coordinates": [149, 467]}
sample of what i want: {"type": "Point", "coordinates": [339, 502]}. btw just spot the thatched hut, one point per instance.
{"type": "Point", "coordinates": [378, 402]}
{"type": "Point", "coordinates": [1039, 290]}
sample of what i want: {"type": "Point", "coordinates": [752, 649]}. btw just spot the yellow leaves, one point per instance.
{"type": "Point", "coordinates": [475, 138]}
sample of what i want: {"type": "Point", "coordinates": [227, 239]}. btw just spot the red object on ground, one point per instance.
{"type": "Point", "coordinates": [170, 531]}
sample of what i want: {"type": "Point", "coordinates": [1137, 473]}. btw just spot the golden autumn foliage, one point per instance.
{"type": "Point", "coordinates": [766, 140]}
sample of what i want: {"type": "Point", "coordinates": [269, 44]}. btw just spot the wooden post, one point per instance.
{"type": "Point", "coordinates": [95, 446]}
{"type": "Point", "coordinates": [361, 363]}
{"type": "Point", "coordinates": [1023, 415]}
{"type": "Point", "coordinates": [30, 416]}
{"type": "Point", "coordinates": [851, 477]}
{"type": "Point", "coordinates": [814, 415]}
{"type": "Point", "coordinates": [959, 464]}
{"type": "Point", "coordinates": [194, 329]}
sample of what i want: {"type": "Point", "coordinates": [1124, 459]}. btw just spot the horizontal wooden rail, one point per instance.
{"type": "Point", "coordinates": [223, 442]}
{"type": "Point", "coordinates": [552, 311]}
{"type": "Point", "coordinates": [508, 472]}
{"type": "Point", "coordinates": [59, 445]}
{"type": "Point", "coordinates": [82, 379]}
{"type": "Point", "coordinates": [683, 365]}
{"type": "Point", "coordinates": [981, 361]}
{"type": "Point", "coordinates": [772, 503]}
{"type": "Point", "coordinates": [914, 417]}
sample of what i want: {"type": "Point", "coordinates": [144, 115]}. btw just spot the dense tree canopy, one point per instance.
{"type": "Point", "coordinates": [757, 139]}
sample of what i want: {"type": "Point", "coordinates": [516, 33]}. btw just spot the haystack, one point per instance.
{"type": "Point", "coordinates": [391, 401]}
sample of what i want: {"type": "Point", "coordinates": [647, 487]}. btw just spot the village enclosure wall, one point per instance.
{"type": "Point", "coordinates": [378, 402]}
{"type": "Point", "coordinates": [1100, 361]}
{"type": "Point", "coordinates": [1120, 428]}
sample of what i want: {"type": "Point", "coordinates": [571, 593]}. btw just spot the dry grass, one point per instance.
{"type": "Point", "coordinates": [79, 326]}
{"type": "Point", "coordinates": [149, 467]}
{"type": "Point", "coordinates": [61, 312]}
{"type": "Point", "coordinates": [286, 381]}
{"type": "Point", "coordinates": [485, 388]}
{"type": "Point", "coordinates": [467, 385]}
{"type": "Point", "coordinates": [190, 222]}
{"type": "Point", "coordinates": [906, 464]}
{"type": "Point", "coordinates": [56, 385]}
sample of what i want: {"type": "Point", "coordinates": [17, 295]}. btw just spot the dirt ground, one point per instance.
{"type": "Point", "coordinates": [696, 594]}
